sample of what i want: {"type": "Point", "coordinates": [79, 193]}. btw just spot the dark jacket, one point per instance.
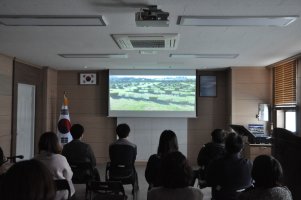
{"type": "Point", "coordinates": [79, 151]}
{"type": "Point", "coordinates": [209, 152]}
{"type": "Point", "coordinates": [227, 175]}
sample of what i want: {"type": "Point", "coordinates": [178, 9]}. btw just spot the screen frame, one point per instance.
{"type": "Point", "coordinates": [179, 114]}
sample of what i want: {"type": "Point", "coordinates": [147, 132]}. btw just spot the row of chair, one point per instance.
{"type": "Point", "coordinates": [116, 174]}
{"type": "Point", "coordinates": [97, 190]}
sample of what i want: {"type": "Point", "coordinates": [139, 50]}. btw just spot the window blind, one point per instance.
{"type": "Point", "coordinates": [285, 84]}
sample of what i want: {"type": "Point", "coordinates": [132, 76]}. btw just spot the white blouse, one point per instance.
{"type": "Point", "coordinates": [59, 168]}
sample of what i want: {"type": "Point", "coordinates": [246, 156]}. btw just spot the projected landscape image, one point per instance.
{"type": "Point", "coordinates": [152, 93]}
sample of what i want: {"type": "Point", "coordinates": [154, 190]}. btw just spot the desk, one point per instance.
{"type": "Point", "coordinates": [251, 151]}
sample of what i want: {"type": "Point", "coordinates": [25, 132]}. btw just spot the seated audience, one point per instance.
{"type": "Point", "coordinates": [123, 153]}
{"type": "Point", "coordinates": [266, 173]}
{"type": "Point", "coordinates": [49, 154]}
{"type": "Point", "coordinates": [176, 177]}
{"type": "Point", "coordinates": [78, 151]}
{"type": "Point", "coordinates": [209, 152]}
{"type": "Point", "coordinates": [27, 180]}
{"type": "Point", "coordinates": [231, 173]}
{"type": "Point", "coordinates": [123, 131]}
{"type": "Point", "coordinates": [168, 143]}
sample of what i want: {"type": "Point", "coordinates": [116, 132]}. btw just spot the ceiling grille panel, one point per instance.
{"type": "Point", "coordinates": [147, 42]}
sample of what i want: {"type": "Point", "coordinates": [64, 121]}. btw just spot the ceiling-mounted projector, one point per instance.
{"type": "Point", "coordinates": [152, 17]}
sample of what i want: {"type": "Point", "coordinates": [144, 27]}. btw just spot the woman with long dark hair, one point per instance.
{"type": "Point", "coordinates": [176, 177]}
{"type": "Point", "coordinates": [168, 143]}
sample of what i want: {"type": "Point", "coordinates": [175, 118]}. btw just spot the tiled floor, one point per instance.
{"type": "Point", "coordinates": [141, 194]}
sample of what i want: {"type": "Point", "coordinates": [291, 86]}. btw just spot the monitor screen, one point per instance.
{"type": "Point", "coordinates": [152, 93]}
{"type": "Point", "coordinates": [256, 129]}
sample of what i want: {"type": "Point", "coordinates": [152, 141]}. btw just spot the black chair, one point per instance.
{"type": "Point", "coordinates": [82, 173]}
{"type": "Point", "coordinates": [4, 160]}
{"type": "Point", "coordinates": [111, 190]}
{"type": "Point", "coordinates": [61, 185]}
{"type": "Point", "coordinates": [122, 168]}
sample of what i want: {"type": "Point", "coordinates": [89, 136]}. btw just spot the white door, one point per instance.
{"type": "Point", "coordinates": [25, 120]}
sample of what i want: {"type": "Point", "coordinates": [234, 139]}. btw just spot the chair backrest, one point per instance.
{"type": "Point", "coordinates": [82, 172]}
{"type": "Point", "coordinates": [61, 185]}
{"type": "Point", "coordinates": [122, 160]}
{"type": "Point", "coordinates": [122, 154]}
{"type": "Point", "coordinates": [110, 190]}
{"type": "Point", "coordinates": [13, 159]}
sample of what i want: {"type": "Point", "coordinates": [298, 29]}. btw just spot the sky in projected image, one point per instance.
{"type": "Point", "coordinates": [152, 93]}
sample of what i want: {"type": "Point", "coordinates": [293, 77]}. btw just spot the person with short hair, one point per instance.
{"type": "Point", "coordinates": [123, 155]}
{"type": "Point", "coordinates": [209, 152]}
{"type": "Point", "coordinates": [266, 172]}
{"type": "Point", "coordinates": [49, 154]}
{"type": "Point", "coordinates": [122, 132]}
{"type": "Point", "coordinates": [78, 151]}
{"type": "Point", "coordinates": [168, 143]}
{"type": "Point", "coordinates": [176, 178]}
{"type": "Point", "coordinates": [27, 180]}
{"type": "Point", "coordinates": [231, 173]}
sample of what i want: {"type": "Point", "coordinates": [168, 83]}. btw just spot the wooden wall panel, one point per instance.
{"type": "Point", "coordinates": [6, 105]}
{"type": "Point", "coordinates": [5, 125]}
{"type": "Point", "coordinates": [6, 84]}
{"type": "Point", "coordinates": [250, 87]}
{"type": "Point", "coordinates": [211, 114]}
{"type": "Point", "coordinates": [88, 106]}
{"type": "Point", "coordinates": [50, 89]}
{"type": "Point", "coordinates": [256, 91]}
{"type": "Point", "coordinates": [253, 75]}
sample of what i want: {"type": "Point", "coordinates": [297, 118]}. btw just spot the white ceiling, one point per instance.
{"type": "Point", "coordinates": [256, 46]}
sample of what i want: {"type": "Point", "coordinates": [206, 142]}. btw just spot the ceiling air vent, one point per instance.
{"type": "Point", "coordinates": [147, 42]}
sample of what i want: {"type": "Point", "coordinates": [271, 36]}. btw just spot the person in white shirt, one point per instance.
{"type": "Point", "coordinates": [49, 154]}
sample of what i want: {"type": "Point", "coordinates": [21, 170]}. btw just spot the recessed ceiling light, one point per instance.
{"type": "Point", "coordinates": [93, 55]}
{"type": "Point", "coordinates": [236, 20]}
{"type": "Point", "coordinates": [51, 20]}
{"type": "Point", "coordinates": [223, 56]}
{"type": "Point", "coordinates": [148, 52]}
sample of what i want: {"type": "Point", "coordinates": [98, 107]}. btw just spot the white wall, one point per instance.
{"type": "Point", "coordinates": [145, 133]}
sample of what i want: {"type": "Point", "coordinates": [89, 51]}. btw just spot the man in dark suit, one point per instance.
{"type": "Point", "coordinates": [123, 155]}
{"type": "Point", "coordinates": [78, 151]}
{"type": "Point", "coordinates": [231, 173]}
{"type": "Point", "coordinates": [123, 131]}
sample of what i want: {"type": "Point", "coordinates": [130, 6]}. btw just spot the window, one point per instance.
{"type": "Point", "coordinates": [285, 95]}
{"type": "Point", "coordinates": [286, 118]}
{"type": "Point", "coordinates": [285, 84]}
{"type": "Point", "coordinates": [290, 120]}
